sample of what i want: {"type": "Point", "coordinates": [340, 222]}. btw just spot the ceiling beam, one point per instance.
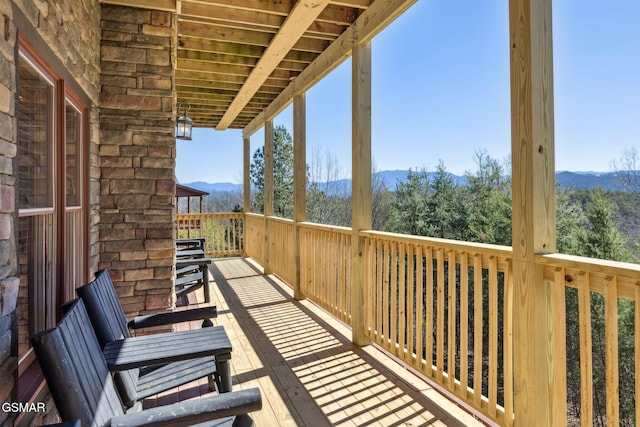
{"type": "Point", "coordinates": [300, 18]}
{"type": "Point", "coordinates": [166, 5]}
{"type": "Point", "coordinates": [359, 4]}
{"type": "Point", "coordinates": [368, 24]}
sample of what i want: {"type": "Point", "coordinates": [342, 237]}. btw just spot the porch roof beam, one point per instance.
{"type": "Point", "coordinates": [371, 22]}
{"type": "Point", "coordinates": [165, 5]}
{"type": "Point", "coordinates": [301, 17]}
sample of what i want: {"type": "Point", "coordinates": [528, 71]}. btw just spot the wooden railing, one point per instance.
{"type": "Point", "coordinates": [608, 293]}
{"type": "Point", "coordinates": [445, 308]}
{"type": "Point", "coordinates": [439, 306]}
{"type": "Point", "coordinates": [325, 267]}
{"type": "Point", "coordinates": [254, 237]}
{"type": "Point", "coordinates": [281, 248]}
{"type": "Point", "coordinates": [223, 232]}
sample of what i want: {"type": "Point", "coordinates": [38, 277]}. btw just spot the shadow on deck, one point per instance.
{"type": "Point", "coordinates": [303, 360]}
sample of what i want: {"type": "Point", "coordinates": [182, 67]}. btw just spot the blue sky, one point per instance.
{"type": "Point", "coordinates": [441, 92]}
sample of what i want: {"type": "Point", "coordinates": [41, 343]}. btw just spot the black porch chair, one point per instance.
{"type": "Point", "coordinates": [82, 387]}
{"type": "Point", "coordinates": [136, 380]}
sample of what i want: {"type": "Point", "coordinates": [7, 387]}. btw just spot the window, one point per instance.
{"type": "Point", "coordinates": [51, 172]}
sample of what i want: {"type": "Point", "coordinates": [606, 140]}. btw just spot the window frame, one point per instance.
{"type": "Point", "coordinates": [30, 379]}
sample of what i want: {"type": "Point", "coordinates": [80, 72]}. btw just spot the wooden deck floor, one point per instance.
{"type": "Point", "coordinates": [305, 365]}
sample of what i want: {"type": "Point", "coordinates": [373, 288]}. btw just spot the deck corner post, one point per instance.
{"type": "Point", "coordinates": [246, 182]}
{"type": "Point", "coordinates": [299, 182]}
{"type": "Point", "coordinates": [268, 189]}
{"type": "Point", "coordinates": [533, 214]}
{"type": "Point", "coordinates": [361, 186]}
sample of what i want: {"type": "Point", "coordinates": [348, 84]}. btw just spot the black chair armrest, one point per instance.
{"type": "Point", "coordinates": [183, 262]}
{"type": "Point", "coordinates": [161, 319]}
{"type": "Point", "coordinates": [194, 411]}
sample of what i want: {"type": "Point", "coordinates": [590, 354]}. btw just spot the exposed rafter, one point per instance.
{"type": "Point", "coordinates": [166, 5]}
{"type": "Point", "coordinates": [363, 29]}
{"type": "Point", "coordinates": [298, 21]}
{"type": "Point", "coordinates": [235, 57]}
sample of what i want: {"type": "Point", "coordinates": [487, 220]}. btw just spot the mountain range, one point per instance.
{"type": "Point", "coordinates": [575, 180]}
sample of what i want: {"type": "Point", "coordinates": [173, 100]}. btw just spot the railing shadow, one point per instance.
{"type": "Point", "coordinates": [316, 362]}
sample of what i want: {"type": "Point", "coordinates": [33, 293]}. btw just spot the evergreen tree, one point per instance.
{"type": "Point", "coordinates": [601, 238]}
{"type": "Point", "coordinates": [282, 175]}
{"type": "Point", "coordinates": [490, 202]}
{"type": "Point", "coordinates": [409, 205]}
{"type": "Point", "coordinates": [570, 223]}
{"type": "Point", "coordinates": [446, 213]}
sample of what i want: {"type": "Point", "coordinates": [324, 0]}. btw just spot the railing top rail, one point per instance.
{"type": "Point", "coordinates": [492, 250]}
{"type": "Point", "coordinates": [325, 227]}
{"type": "Point", "coordinates": [279, 219]}
{"type": "Point", "coordinates": [591, 265]}
{"type": "Point", "coordinates": [211, 214]}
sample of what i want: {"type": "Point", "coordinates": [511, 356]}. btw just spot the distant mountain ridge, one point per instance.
{"type": "Point", "coordinates": [216, 187]}
{"type": "Point", "coordinates": [576, 180]}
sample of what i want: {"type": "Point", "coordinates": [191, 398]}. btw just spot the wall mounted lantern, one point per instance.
{"type": "Point", "coordinates": [184, 124]}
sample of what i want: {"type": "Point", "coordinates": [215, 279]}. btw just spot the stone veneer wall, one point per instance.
{"type": "Point", "coordinates": [137, 155]}
{"type": "Point", "coordinates": [8, 278]}
{"type": "Point", "coordinates": [67, 34]}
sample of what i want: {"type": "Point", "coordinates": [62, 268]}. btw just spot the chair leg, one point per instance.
{"type": "Point", "coordinates": [205, 279]}
{"type": "Point", "coordinates": [223, 369]}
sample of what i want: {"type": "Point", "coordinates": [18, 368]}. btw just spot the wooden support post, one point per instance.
{"type": "Point", "coordinates": [361, 186]}
{"type": "Point", "coordinates": [299, 179]}
{"type": "Point", "coordinates": [246, 174]}
{"type": "Point", "coordinates": [268, 189]}
{"type": "Point", "coordinates": [532, 148]}
{"type": "Point", "coordinates": [246, 181]}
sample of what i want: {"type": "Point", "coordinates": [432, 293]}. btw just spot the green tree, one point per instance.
{"type": "Point", "coordinates": [489, 202]}
{"type": "Point", "coordinates": [282, 175]}
{"type": "Point", "coordinates": [446, 207]}
{"type": "Point", "coordinates": [570, 222]}
{"type": "Point", "coordinates": [409, 204]}
{"type": "Point", "coordinates": [601, 238]}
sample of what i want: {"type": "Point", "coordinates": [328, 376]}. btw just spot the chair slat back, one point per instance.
{"type": "Point", "coordinates": [103, 306]}
{"type": "Point", "coordinates": [110, 324]}
{"type": "Point", "coordinates": [75, 370]}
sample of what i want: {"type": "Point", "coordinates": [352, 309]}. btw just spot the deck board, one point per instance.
{"type": "Point", "coordinates": [309, 372]}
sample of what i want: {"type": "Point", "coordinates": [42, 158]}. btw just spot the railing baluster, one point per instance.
{"type": "Point", "coordinates": [402, 292]}
{"type": "Point", "coordinates": [611, 342]}
{"type": "Point", "coordinates": [385, 294]}
{"type": "Point", "coordinates": [420, 308]}
{"type": "Point", "coordinates": [477, 330]}
{"type": "Point", "coordinates": [379, 289]}
{"type": "Point", "coordinates": [411, 320]}
{"type": "Point", "coordinates": [493, 335]}
{"type": "Point", "coordinates": [451, 321]}
{"type": "Point", "coordinates": [464, 324]}
{"type": "Point", "coordinates": [586, 376]}
{"type": "Point", "coordinates": [440, 318]}
{"type": "Point", "coordinates": [341, 278]}
{"type": "Point", "coordinates": [393, 322]}
{"type": "Point", "coordinates": [508, 347]}
{"type": "Point", "coordinates": [429, 312]}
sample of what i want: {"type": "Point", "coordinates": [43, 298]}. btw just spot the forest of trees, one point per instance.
{"type": "Point", "coordinates": [592, 223]}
